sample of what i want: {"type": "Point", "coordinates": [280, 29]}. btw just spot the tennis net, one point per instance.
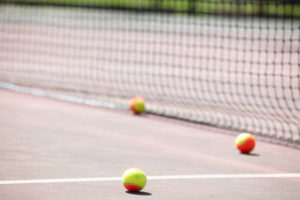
{"type": "Point", "coordinates": [231, 64]}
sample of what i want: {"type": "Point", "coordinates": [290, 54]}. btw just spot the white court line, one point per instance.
{"type": "Point", "coordinates": [169, 177]}
{"type": "Point", "coordinates": [72, 99]}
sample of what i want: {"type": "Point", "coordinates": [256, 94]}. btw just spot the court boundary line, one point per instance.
{"type": "Point", "coordinates": [61, 97]}
{"type": "Point", "coordinates": [163, 177]}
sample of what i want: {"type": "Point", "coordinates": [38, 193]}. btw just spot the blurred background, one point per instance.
{"type": "Point", "coordinates": [226, 63]}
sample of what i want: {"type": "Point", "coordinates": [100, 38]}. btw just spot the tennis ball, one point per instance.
{"type": "Point", "coordinates": [245, 142]}
{"type": "Point", "coordinates": [134, 179]}
{"type": "Point", "coordinates": [137, 105]}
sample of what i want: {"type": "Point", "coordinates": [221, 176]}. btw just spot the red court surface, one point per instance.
{"type": "Point", "coordinates": [44, 139]}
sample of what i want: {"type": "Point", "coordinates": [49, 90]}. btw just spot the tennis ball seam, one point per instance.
{"type": "Point", "coordinates": [141, 187]}
{"type": "Point", "coordinates": [242, 138]}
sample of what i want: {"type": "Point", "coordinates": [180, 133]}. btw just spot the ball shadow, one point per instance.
{"type": "Point", "coordinates": [141, 193]}
{"type": "Point", "coordinates": [250, 154]}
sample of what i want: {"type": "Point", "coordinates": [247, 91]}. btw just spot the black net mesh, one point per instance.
{"type": "Point", "coordinates": [231, 64]}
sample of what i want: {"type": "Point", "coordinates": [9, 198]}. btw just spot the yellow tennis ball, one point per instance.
{"type": "Point", "coordinates": [134, 179]}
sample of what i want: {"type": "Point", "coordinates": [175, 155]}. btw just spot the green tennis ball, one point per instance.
{"type": "Point", "coordinates": [137, 105]}
{"type": "Point", "coordinates": [134, 179]}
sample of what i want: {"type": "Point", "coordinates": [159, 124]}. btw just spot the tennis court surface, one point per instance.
{"type": "Point", "coordinates": [208, 70]}
{"type": "Point", "coordinates": [46, 140]}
